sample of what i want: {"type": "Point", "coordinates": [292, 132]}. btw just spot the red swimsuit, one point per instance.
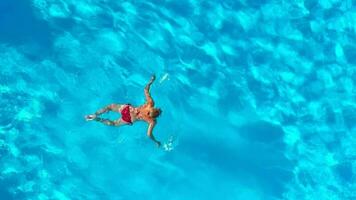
{"type": "Point", "coordinates": [125, 114]}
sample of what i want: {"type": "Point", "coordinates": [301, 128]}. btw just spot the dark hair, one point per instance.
{"type": "Point", "coordinates": [155, 112]}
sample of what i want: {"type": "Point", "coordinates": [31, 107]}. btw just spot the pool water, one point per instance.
{"type": "Point", "coordinates": [258, 99]}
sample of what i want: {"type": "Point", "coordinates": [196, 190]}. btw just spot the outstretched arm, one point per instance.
{"type": "Point", "coordinates": [149, 99]}
{"type": "Point", "coordinates": [150, 135]}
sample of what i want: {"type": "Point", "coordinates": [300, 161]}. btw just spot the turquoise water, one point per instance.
{"type": "Point", "coordinates": [258, 99]}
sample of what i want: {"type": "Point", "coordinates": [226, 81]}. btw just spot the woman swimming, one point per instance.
{"type": "Point", "coordinates": [129, 114]}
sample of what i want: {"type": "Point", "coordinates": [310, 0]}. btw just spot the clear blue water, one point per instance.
{"type": "Point", "coordinates": [258, 99]}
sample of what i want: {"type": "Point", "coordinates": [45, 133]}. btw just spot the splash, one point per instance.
{"type": "Point", "coordinates": [170, 144]}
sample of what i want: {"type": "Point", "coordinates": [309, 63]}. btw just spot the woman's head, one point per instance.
{"type": "Point", "coordinates": [155, 112]}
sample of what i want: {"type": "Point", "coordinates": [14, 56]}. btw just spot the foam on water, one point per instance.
{"type": "Point", "coordinates": [258, 99]}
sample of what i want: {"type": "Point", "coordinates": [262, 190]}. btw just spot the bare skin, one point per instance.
{"type": "Point", "coordinates": [141, 113]}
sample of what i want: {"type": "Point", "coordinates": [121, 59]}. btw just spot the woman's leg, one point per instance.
{"type": "Point", "coordinates": [110, 122]}
{"type": "Point", "coordinates": [111, 107]}
{"type": "Point", "coordinates": [107, 109]}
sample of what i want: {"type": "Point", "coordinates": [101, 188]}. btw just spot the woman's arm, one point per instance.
{"type": "Point", "coordinates": [149, 99]}
{"type": "Point", "coordinates": [150, 135]}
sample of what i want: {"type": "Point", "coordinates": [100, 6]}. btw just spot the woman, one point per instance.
{"type": "Point", "coordinates": [129, 114]}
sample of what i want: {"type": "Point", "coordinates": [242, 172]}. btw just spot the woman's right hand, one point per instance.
{"type": "Point", "coordinates": [153, 77]}
{"type": "Point", "coordinates": [90, 117]}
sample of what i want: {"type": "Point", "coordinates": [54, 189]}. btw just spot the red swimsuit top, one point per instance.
{"type": "Point", "coordinates": [125, 114]}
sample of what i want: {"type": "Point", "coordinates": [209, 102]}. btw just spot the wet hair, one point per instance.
{"type": "Point", "coordinates": [155, 113]}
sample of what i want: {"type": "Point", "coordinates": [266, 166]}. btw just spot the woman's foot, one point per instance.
{"type": "Point", "coordinates": [90, 117]}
